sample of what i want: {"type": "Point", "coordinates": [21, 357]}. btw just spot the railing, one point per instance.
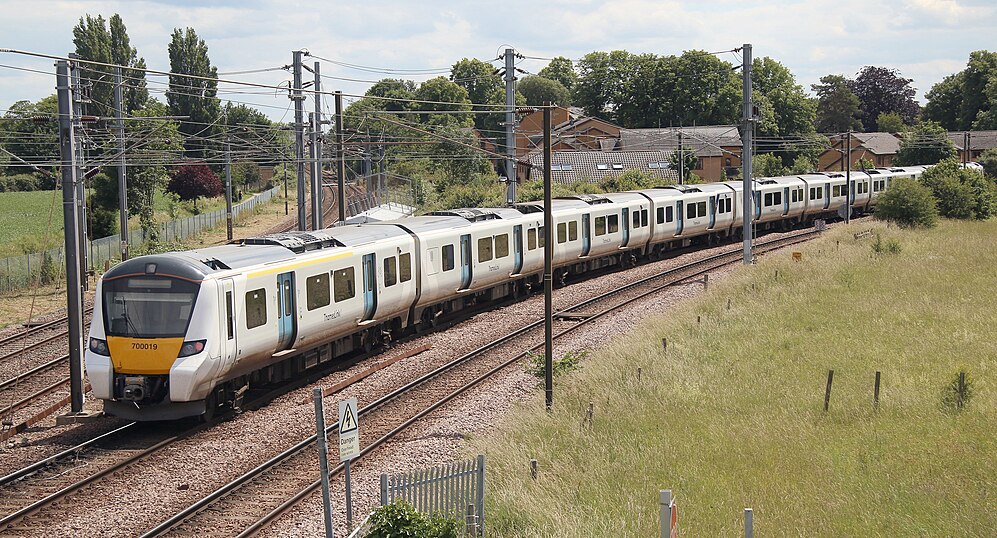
{"type": "Point", "coordinates": [19, 272]}
{"type": "Point", "coordinates": [456, 490]}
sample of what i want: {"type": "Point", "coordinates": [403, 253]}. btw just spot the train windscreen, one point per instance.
{"type": "Point", "coordinates": [148, 306]}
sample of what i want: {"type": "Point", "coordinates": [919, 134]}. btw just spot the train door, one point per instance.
{"type": "Point", "coordinates": [827, 195]}
{"type": "Point", "coordinates": [625, 225]}
{"type": "Point", "coordinates": [785, 201]}
{"type": "Point", "coordinates": [757, 200]}
{"type": "Point", "coordinates": [851, 192]}
{"type": "Point", "coordinates": [586, 238]}
{"type": "Point", "coordinates": [517, 247]}
{"type": "Point", "coordinates": [465, 261]}
{"type": "Point", "coordinates": [713, 211]}
{"type": "Point", "coordinates": [286, 317]}
{"type": "Point", "coordinates": [229, 338]}
{"type": "Point", "coordinates": [369, 286]}
{"type": "Point", "coordinates": [679, 220]}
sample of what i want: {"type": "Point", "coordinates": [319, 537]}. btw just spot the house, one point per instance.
{"type": "Point", "coordinates": [979, 141]}
{"type": "Point", "coordinates": [570, 131]}
{"type": "Point", "coordinates": [880, 148]}
{"type": "Point", "coordinates": [717, 146]}
{"type": "Point", "coordinates": [594, 166]}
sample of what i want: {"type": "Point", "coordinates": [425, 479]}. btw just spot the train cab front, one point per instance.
{"type": "Point", "coordinates": [139, 334]}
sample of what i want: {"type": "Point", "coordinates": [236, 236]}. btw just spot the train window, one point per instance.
{"type": "Point", "coordinates": [776, 198]}
{"type": "Point", "coordinates": [701, 209]}
{"type": "Point", "coordinates": [799, 195]}
{"type": "Point", "coordinates": [835, 191]}
{"type": "Point", "coordinates": [813, 193]}
{"type": "Point", "coordinates": [390, 271]}
{"type": "Point", "coordinates": [256, 308]}
{"type": "Point", "coordinates": [643, 217]}
{"type": "Point", "coordinates": [342, 284]}
{"type": "Point", "coordinates": [484, 249]}
{"type": "Point", "coordinates": [541, 237]}
{"type": "Point", "coordinates": [317, 291]}
{"type": "Point", "coordinates": [600, 226]}
{"type": "Point", "coordinates": [573, 230]}
{"type": "Point", "coordinates": [669, 214]}
{"type": "Point", "coordinates": [661, 215]}
{"type": "Point", "coordinates": [405, 267]}
{"type": "Point", "coordinates": [448, 258]}
{"type": "Point", "coordinates": [562, 233]}
{"type": "Point", "coordinates": [794, 197]}
{"type": "Point", "coordinates": [531, 239]}
{"type": "Point", "coordinates": [690, 211]}
{"type": "Point", "coordinates": [288, 298]}
{"type": "Point", "coordinates": [229, 315]}
{"type": "Point", "coordinates": [613, 223]}
{"type": "Point", "coordinates": [636, 219]}
{"type": "Point", "coordinates": [820, 192]}
{"type": "Point", "coordinates": [501, 245]}
{"type": "Point", "coordinates": [768, 199]}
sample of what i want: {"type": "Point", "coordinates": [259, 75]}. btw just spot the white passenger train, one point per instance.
{"type": "Point", "coordinates": [178, 334]}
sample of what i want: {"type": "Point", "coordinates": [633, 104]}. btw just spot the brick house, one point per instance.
{"type": "Point", "coordinates": [594, 166]}
{"type": "Point", "coordinates": [717, 146]}
{"type": "Point", "coordinates": [880, 148]}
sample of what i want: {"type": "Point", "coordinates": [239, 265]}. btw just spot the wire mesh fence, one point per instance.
{"type": "Point", "coordinates": [24, 271]}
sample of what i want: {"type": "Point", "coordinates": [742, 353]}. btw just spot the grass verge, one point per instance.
{"type": "Point", "coordinates": [731, 416]}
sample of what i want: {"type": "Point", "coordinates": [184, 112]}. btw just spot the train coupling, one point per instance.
{"type": "Point", "coordinates": [135, 389]}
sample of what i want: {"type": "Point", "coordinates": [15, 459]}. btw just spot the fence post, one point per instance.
{"type": "Point", "coordinates": [384, 489]}
{"type": "Point", "coordinates": [481, 493]}
{"type": "Point", "coordinates": [665, 506]}
{"type": "Point", "coordinates": [470, 523]}
{"type": "Point", "coordinates": [827, 391]}
{"type": "Point", "coordinates": [749, 523]}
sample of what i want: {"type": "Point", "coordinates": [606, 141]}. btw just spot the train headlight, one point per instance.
{"type": "Point", "coordinates": [99, 347]}
{"type": "Point", "coordinates": [191, 348]}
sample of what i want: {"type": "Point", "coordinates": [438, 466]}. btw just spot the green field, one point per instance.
{"type": "Point", "coordinates": [731, 416]}
{"type": "Point", "coordinates": [25, 221]}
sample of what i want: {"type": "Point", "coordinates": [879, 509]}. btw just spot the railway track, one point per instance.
{"type": "Point", "coordinates": [248, 504]}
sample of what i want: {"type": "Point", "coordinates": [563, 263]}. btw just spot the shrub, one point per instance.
{"type": "Point", "coordinates": [628, 181]}
{"type": "Point", "coordinates": [192, 181]}
{"type": "Point", "coordinates": [50, 271]}
{"type": "Point", "coordinates": [961, 193]}
{"type": "Point", "coordinates": [767, 165]}
{"type": "Point", "coordinates": [536, 366]}
{"type": "Point", "coordinates": [890, 246]}
{"type": "Point", "coordinates": [909, 204]}
{"type": "Point", "coordinates": [400, 519]}
{"type": "Point", "coordinates": [989, 161]}
{"type": "Point", "coordinates": [20, 183]}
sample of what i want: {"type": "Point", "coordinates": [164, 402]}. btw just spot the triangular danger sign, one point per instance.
{"type": "Point", "coordinates": [348, 422]}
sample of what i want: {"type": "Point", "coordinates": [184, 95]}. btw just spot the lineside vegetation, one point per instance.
{"type": "Point", "coordinates": [731, 415]}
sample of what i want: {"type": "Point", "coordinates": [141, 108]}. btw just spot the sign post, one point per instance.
{"type": "Point", "coordinates": [349, 447]}
{"type": "Point", "coordinates": [323, 459]}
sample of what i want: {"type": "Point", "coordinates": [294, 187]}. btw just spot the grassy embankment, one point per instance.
{"type": "Point", "coordinates": [731, 416]}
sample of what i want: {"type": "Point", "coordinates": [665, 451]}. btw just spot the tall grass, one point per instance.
{"type": "Point", "coordinates": [731, 416]}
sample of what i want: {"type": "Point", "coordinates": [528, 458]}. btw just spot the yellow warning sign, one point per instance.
{"type": "Point", "coordinates": [349, 430]}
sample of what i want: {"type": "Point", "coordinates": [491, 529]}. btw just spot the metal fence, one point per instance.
{"type": "Point", "coordinates": [446, 489]}
{"type": "Point", "coordinates": [19, 272]}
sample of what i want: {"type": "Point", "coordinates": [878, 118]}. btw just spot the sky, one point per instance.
{"type": "Point", "coordinates": [924, 39]}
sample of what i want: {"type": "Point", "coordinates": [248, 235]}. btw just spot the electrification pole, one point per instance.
{"type": "Point", "coordinates": [317, 148]}
{"type": "Point", "coordinates": [228, 183]}
{"type": "Point", "coordinates": [81, 193]}
{"type": "Point", "coordinates": [548, 266]}
{"type": "Point", "coordinates": [299, 138]}
{"type": "Point", "coordinates": [122, 171]}
{"type": "Point", "coordinates": [316, 182]}
{"type": "Point", "coordinates": [70, 219]}
{"type": "Point", "coordinates": [681, 160]}
{"type": "Point", "coordinates": [749, 123]}
{"type": "Point", "coordinates": [510, 125]}
{"type": "Point", "coordinates": [340, 158]}
{"type": "Point", "coordinates": [848, 178]}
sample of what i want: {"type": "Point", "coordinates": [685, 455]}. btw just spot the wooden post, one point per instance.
{"type": "Point", "coordinates": [699, 320]}
{"type": "Point", "coordinates": [961, 400]}
{"type": "Point", "coordinates": [728, 304]}
{"type": "Point", "coordinates": [471, 522]}
{"type": "Point", "coordinates": [664, 344]}
{"type": "Point", "coordinates": [534, 471]}
{"type": "Point", "coordinates": [706, 281]}
{"type": "Point", "coordinates": [638, 374]}
{"type": "Point", "coordinates": [827, 392]}
{"type": "Point", "coordinates": [875, 393]}
{"type": "Point", "coordinates": [588, 415]}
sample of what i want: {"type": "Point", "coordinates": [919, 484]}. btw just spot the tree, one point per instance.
{"type": "Point", "coordinates": [192, 181]}
{"type": "Point", "coordinates": [442, 95]}
{"type": "Point", "coordinates": [629, 180]}
{"type": "Point", "coordinates": [537, 90]}
{"type": "Point", "coordinates": [804, 164]}
{"type": "Point", "coordinates": [989, 161]}
{"type": "Point", "coordinates": [908, 203]}
{"type": "Point", "coordinates": [767, 165]}
{"type": "Point", "coordinates": [481, 82]}
{"type": "Point", "coordinates": [601, 77]}
{"type": "Point", "coordinates": [881, 89]}
{"type": "Point", "coordinates": [562, 70]}
{"type": "Point", "coordinates": [837, 105]}
{"type": "Point", "coordinates": [94, 42]}
{"type": "Point", "coordinates": [976, 100]}
{"type": "Point", "coordinates": [890, 122]}
{"type": "Point", "coordinates": [926, 143]}
{"type": "Point", "coordinates": [34, 142]}
{"type": "Point", "coordinates": [794, 111]}
{"type": "Point", "coordinates": [193, 96]}
{"type": "Point", "coordinates": [945, 102]}
{"type": "Point", "coordinates": [689, 162]}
